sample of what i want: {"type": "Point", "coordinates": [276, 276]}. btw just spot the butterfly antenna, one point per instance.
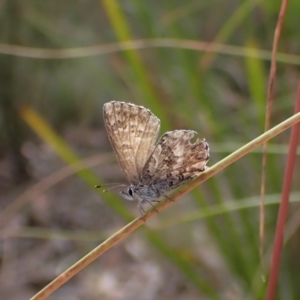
{"type": "Point", "coordinates": [114, 185]}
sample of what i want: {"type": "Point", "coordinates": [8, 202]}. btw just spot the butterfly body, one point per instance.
{"type": "Point", "coordinates": [141, 193]}
{"type": "Point", "coordinates": [152, 169]}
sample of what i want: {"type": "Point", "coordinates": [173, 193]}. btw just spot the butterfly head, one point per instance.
{"type": "Point", "coordinates": [129, 193]}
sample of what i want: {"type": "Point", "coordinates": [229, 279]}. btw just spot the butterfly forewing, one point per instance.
{"type": "Point", "coordinates": [132, 131]}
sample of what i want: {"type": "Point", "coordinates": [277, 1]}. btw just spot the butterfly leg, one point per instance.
{"type": "Point", "coordinates": [152, 205]}
{"type": "Point", "coordinates": [142, 211]}
{"type": "Point", "coordinates": [166, 196]}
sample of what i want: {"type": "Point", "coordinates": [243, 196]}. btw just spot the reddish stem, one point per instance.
{"type": "Point", "coordinates": [283, 209]}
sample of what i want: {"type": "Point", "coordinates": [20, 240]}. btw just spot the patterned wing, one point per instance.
{"type": "Point", "coordinates": [175, 160]}
{"type": "Point", "coordinates": [132, 131]}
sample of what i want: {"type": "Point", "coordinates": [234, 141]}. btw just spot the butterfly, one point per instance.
{"type": "Point", "coordinates": [152, 169]}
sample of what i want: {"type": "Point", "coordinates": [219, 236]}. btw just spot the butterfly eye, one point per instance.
{"type": "Point", "coordinates": [130, 192]}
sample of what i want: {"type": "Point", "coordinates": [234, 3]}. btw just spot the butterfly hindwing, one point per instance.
{"type": "Point", "coordinates": [175, 160]}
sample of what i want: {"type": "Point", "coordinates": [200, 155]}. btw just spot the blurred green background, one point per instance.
{"type": "Point", "coordinates": [53, 88]}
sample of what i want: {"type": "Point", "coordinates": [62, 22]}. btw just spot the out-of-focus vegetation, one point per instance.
{"type": "Point", "coordinates": [207, 244]}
